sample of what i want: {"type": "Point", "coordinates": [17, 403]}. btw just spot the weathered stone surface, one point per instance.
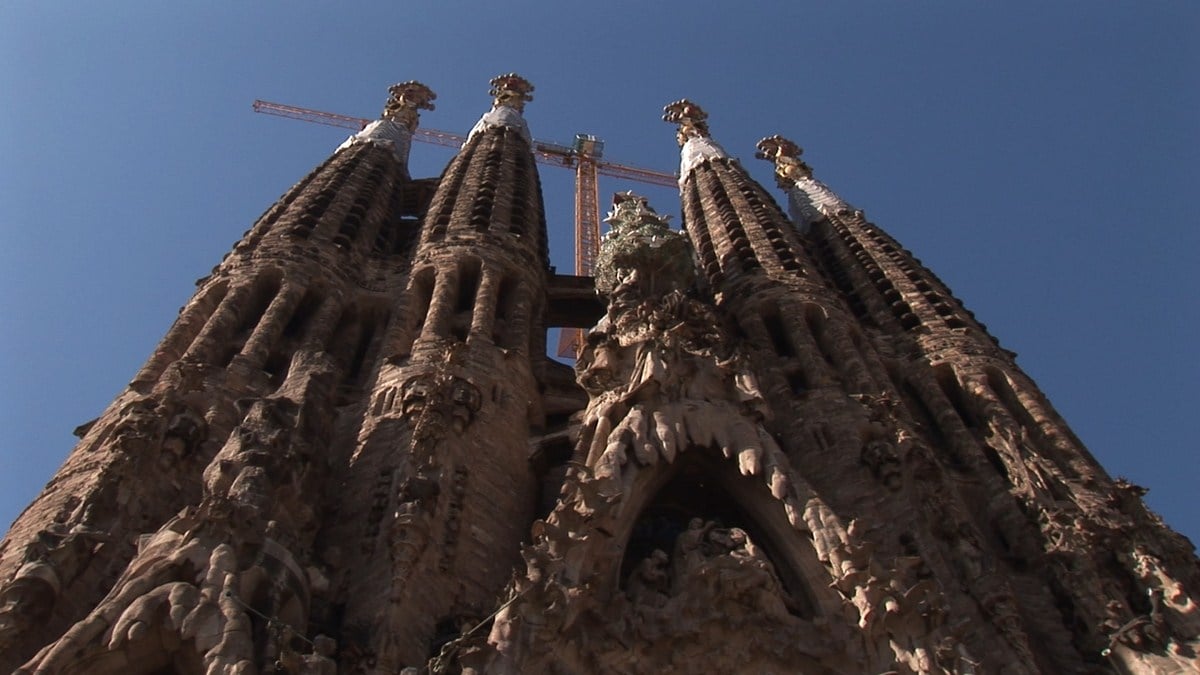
{"type": "Point", "coordinates": [785, 448]}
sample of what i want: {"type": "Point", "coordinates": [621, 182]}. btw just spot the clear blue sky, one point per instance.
{"type": "Point", "coordinates": [1040, 157]}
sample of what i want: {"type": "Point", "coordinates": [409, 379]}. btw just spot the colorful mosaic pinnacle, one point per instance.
{"type": "Point", "coordinates": [511, 90]}
{"type": "Point", "coordinates": [404, 102]}
{"type": "Point", "coordinates": [786, 156]}
{"type": "Point", "coordinates": [690, 117]}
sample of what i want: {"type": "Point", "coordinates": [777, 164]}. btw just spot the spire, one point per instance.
{"type": "Point", "coordinates": [405, 100]}
{"type": "Point", "coordinates": [510, 93]}
{"type": "Point", "coordinates": [695, 144]}
{"type": "Point", "coordinates": [809, 199]}
{"type": "Point", "coordinates": [398, 120]}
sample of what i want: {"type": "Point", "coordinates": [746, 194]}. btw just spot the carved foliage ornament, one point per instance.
{"type": "Point", "coordinates": [436, 402]}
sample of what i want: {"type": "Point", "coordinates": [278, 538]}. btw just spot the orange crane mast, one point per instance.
{"type": "Point", "coordinates": [586, 156]}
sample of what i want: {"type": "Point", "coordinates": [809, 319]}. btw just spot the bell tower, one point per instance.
{"type": "Point", "coordinates": [444, 442]}
{"type": "Point", "coordinates": [785, 447]}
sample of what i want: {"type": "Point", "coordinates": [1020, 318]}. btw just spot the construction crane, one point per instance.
{"type": "Point", "coordinates": [585, 156]}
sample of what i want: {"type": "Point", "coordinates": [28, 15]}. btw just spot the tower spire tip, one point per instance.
{"type": "Point", "coordinates": [785, 153]}
{"type": "Point", "coordinates": [405, 99]}
{"type": "Point", "coordinates": [690, 117]}
{"type": "Point", "coordinates": [512, 91]}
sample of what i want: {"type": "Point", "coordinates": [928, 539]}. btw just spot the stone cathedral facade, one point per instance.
{"type": "Point", "coordinates": [785, 448]}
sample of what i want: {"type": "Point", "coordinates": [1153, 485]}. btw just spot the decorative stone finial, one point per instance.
{"type": "Point", "coordinates": [786, 156]}
{"type": "Point", "coordinates": [696, 146]}
{"type": "Point", "coordinates": [690, 118]}
{"type": "Point", "coordinates": [512, 91]}
{"type": "Point", "coordinates": [398, 121]}
{"type": "Point", "coordinates": [809, 200]}
{"type": "Point", "coordinates": [406, 98]}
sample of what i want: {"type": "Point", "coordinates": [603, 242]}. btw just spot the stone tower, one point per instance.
{"type": "Point", "coordinates": [786, 447]}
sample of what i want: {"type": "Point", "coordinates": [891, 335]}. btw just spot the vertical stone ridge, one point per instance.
{"type": "Point", "coordinates": [787, 456]}
{"type": "Point", "coordinates": [988, 419]}
{"type": "Point", "coordinates": [445, 440]}
{"type": "Point", "coordinates": [254, 329]}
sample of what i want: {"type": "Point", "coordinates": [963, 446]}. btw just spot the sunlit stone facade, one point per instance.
{"type": "Point", "coordinates": [785, 447]}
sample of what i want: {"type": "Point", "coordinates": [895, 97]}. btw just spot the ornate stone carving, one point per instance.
{"type": "Point", "coordinates": [786, 156]}
{"type": "Point", "coordinates": [404, 102]}
{"type": "Point", "coordinates": [691, 118]}
{"type": "Point", "coordinates": [810, 199]}
{"type": "Point", "coordinates": [882, 458]}
{"type": "Point", "coordinates": [640, 255]}
{"type": "Point", "coordinates": [652, 325]}
{"type": "Point", "coordinates": [205, 568]}
{"type": "Point", "coordinates": [436, 403]}
{"type": "Point", "coordinates": [27, 600]}
{"type": "Point", "coordinates": [511, 91]}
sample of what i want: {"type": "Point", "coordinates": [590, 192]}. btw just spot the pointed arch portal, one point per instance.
{"type": "Point", "coordinates": [664, 498]}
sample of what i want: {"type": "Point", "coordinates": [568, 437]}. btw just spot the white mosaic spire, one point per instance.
{"type": "Point", "coordinates": [695, 144]}
{"type": "Point", "coordinates": [510, 93]}
{"type": "Point", "coordinates": [809, 200]}
{"type": "Point", "coordinates": [398, 120]}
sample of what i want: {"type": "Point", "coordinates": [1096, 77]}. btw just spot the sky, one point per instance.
{"type": "Point", "coordinates": [1041, 158]}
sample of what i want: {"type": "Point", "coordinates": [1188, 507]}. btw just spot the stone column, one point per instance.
{"type": "Point", "coordinates": [271, 325]}
{"type": "Point", "coordinates": [220, 325]}
{"type": "Point", "coordinates": [441, 307]}
{"type": "Point", "coordinates": [484, 316]}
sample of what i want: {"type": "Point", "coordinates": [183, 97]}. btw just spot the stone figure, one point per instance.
{"type": "Point", "coordinates": [650, 581]}
{"type": "Point", "coordinates": [882, 458]}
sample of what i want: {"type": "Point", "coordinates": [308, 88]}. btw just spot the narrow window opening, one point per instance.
{"type": "Point", "coordinates": [950, 386]}
{"type": "Point", "coordinates": [422, 295]}
{"type": "Point", "coordinates": [304, 311]}
{"type": "Point", "coordinates": [464, 304]}
{"type": "Point", "coordinates": [997, 463]}
{"type": "Point", "coordinates": [265, 290]}
{"type": "Point", "coordinates": [277, 367]}
{"type": "Point", "coordinates": [354, 373]}
{"type": "Point", "coordinates": [468, 284]}
{"type": "Point", "coordinates": [798, 383]}
{"type": "Point", "coordinates": [921, 413]}
{"type": "Point", "coordinates": [344, 345]}
{"type": "Point", "coordinates": [814, 317]}
{"type": "Point", "coordinates": [777, 332]}
{"type": "Point", "coordinates": [503, 333]}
